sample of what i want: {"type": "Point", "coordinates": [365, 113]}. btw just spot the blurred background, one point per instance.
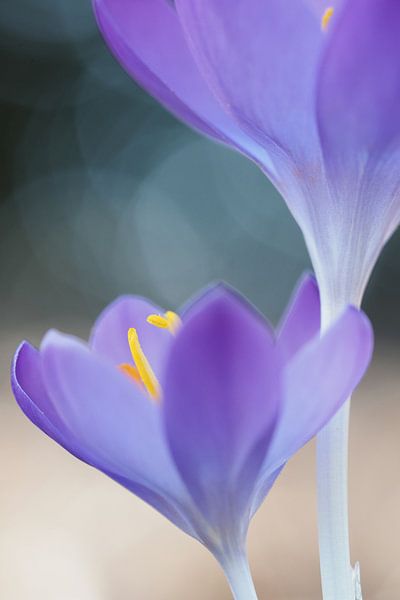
{"type": "Point", "coordinates": [101, 193]}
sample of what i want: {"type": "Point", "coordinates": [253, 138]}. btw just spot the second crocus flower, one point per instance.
{"type": "Point", "coordinates": [198, 413]}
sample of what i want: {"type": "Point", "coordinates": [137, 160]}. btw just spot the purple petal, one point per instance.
{"type": "Point", "coordinates": [319, 7]}
{"type": "Point", "coordinates": [318, 381]}
{"type": "Point", "coordinates": [260, 58]}
{"type": "Point", "coordinates": [302, 319]}
{"type": "Point", "coordinates": [263, 488]}
{"type": "Point", "coordinates": [221, 397]}
{"type": "Point", "coordinates": [359, 91]}
{"type": "Point", "coordinates": [146, 38]}
{"type": "Point", "coordinates": [31, 394]}
{"type": "Point", "coordinates": [103, 407]}
{"type": "Point", "coordinates": [110, 333]}
{"type": "Point", "coordinates": [358, 107]}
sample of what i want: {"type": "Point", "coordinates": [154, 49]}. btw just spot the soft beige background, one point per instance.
{"type": "Point", "coordinates": [69, 533]}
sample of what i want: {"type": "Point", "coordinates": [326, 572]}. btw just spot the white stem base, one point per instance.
{"type": "Point", "coordinates": [338, 581]}
{"type": "Point", "coordinates": [237, 572]}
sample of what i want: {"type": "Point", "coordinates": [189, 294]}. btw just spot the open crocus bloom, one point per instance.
{"type": "Point", "coordinates": [195, 414]}
{"type": "Point", "coordinates": [308, 89]}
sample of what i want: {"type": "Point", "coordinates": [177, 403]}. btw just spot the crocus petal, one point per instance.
{"type": "Point", "coordinates": [267, 83]}
{"type": "Point", "coordinates": [108, 414]}
{"type": "Point", "coordinates": [110, 333]}
{"type": "Point", "coordinates": [320, 7]}
{"type": "Point", "coordinates": [359, 91]}
{"type": "Point", "coordinates": [263, 487]}
{"type": "Point", "coordinates": [318, 381]}
{"type": "Point", "coordinates": [221, 395]}
{"type": "Point", "coordinates": [31, 395]}
{"type": "Point", "coordinates": [302, 319]}
{"type": "Point", "coordinates": [358, 110]}
{"type": "Point", "coordinates": [146, 37]}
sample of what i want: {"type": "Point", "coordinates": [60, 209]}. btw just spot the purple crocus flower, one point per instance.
{"type": "Point", "coordinates": [196, 414]}
{"type": "Point", "coordinates": [310, 91]}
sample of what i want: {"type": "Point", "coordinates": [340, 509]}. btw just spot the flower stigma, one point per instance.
{"type": "Point", "coordinates": [131, 371]}
{"type": "Point", "coordinates": [141, 371]}
{"type": "Point", "coordinates": [326, 17]}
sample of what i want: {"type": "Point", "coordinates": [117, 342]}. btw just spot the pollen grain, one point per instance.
{"type": "Point", "coordinates": [326, 17]}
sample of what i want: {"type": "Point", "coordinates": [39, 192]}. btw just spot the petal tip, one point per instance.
{"type": "Point", "coordinates": [221, 297]}
{"type": "Point", "coordinates": [55, 340]}
{"type": "Point", "coordinates": [366, 329]}
{"type": "Point", "coordinates": [307, 283]}
{"type": "Point", "coordinates": [308, 278]}
{"type": "Point", "coordinates": [19, 353]}
{"type": "Point", "coordinates": [359, 316]}
{"type": "Point", "coordinates": [52, 337]}
{"type": "Point", "coordinates": [358, 329]}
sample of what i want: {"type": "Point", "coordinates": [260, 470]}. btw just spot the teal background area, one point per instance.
{"type": "Point", "coordinates": [103, 192]}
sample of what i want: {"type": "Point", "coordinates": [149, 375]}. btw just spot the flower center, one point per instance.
{"type": "Point", "coordinates": [141, 371]}
{"type": "Point", "coordinates": [326, 17]}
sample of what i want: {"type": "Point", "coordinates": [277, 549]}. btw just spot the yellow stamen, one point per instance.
{"type": "Point", "coordinates": [142, 364]}
{"type": "Point", "coordinates": [131, 371]}
{"type": "Point", "coordinates": [174, 321]}
{"type": "Point", "coordinates": [169, 320]}
{"type": "Point", "coordinates": [326, 17]}
{"type": "Point", "coordinates": [158, 321]}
